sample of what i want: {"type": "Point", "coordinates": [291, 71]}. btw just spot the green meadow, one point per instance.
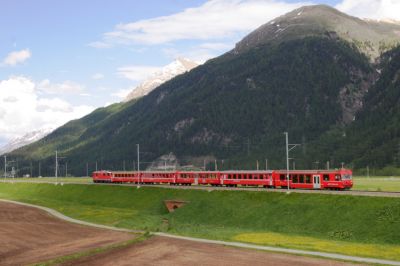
{"type": "Point", "coordinates": [377, 183]}
{"type": "Point", "coordinates": [360, 226]}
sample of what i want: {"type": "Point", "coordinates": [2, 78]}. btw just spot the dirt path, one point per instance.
{"type": "Point", "coordinates": [167, 251]}
{"type": "Point", "coordinates": [29, 235]}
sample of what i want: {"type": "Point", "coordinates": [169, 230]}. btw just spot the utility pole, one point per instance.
{"type": "Point", "coordinates": [138, 157]}
{"type": "Point", "coordinates": [31, 169]}
{"type": "Point", "coordinates": [87, 169]}
{"type": "Point", "coordinates": [342, 165]}
{"type": "Point", "coordinates": [294, 165]}
{"type": "Point", "coordinates": [289, 147]}
{"type": "Point", "coordinates": [215, 165]}
{"type": "Point", "coordinates": [327, 165]}
{"type": "Point", "coordinates": [96, 166]}
{"type": "Point", "coordinates": [266, 164]}
{"type": "Point", "coordinates": [204, 164]}
{"type": "Point", "coordinates": [66, 169]}
{"type": "Point", "coordinates": [56, 166]}
{"type": "Point", "coordinates": [367, 171]}
{"type": "Point", "coordinates": [5, 166]}
{"type": "Point", "coordinates": [123, 165]}
{"type": "Point", "coordinates": [257, 166]}
{"type": "Point", "coordinates": [287, 160]}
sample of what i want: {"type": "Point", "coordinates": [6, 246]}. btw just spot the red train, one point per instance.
{"type": "Point", "coordinates": [304, 179]}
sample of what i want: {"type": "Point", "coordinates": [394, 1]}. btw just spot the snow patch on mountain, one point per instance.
{"type": "Point", "coordinates": [26, 139]}
{"type": "Point", "coordinates": [177, 67]}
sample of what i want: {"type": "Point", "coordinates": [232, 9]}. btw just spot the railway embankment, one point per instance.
{"type": "Point", "coordinates": [345, 224]}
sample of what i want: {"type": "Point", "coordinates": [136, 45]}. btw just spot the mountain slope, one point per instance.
{"type": "Point", "coordinates": [177, 67]}
{"type": "Point", "coordinates": [374, 138]}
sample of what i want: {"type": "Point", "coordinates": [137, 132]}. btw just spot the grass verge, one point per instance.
{"type": "Point", "coordinates": [315, 244]}
{"type": "Point", "coordinates": [382, 183]}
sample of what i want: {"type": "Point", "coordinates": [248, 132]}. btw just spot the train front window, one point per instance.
{"type": "Point", "coordinates": [346, 177]}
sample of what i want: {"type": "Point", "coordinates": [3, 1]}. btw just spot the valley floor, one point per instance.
{"type": "Point", "coordinates": [30, 236]}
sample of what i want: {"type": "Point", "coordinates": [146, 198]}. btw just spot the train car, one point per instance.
{"type": "Point", "coordinates": [314, 179]}
{"type": "Point", "coordinates": [298, 179]}
{"type": "Point", "coordinates": [247, 178]}
{"type": "Point", "coordinates": [102, 176]}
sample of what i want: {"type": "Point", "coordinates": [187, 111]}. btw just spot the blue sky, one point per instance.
{"type": "Point", "coordinates": [65, 58]}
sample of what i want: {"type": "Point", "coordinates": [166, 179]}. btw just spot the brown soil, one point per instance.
{"type": "Point", "coordinates": [29, 235]}
{"type": "Point", "coordinates": [167, 251]}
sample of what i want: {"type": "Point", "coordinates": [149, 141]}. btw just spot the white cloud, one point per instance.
{"type": "Point", "coordinates": [214, 20]}
{"type": "Point", "coordinates": [373, 9]}
{"type": "Point", "coordinates": [122, 93]}
{"type": "Point", "coordinates": [97, 76]}
{"type": "Point", "coordinates": [64, 87]}
{"type": "Point", "coordinates": [137, 73]}
{"type": "Point", "coordinates": [23, 110]}
{"type": "Point", "coordinates": [199, 53]}
{"type": "Point", "coordinates": [100, 45]}
{"type": "Point", "coordinates": [17, 57]}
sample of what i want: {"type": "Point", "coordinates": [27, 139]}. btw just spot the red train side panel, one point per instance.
{"type": "Point", "coordinates": [298, 179]}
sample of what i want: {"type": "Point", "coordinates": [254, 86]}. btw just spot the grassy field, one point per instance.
{"type": "Point", "coordinates": [377, 183]}
{"type": "Point", "coordinates": [361, 226]}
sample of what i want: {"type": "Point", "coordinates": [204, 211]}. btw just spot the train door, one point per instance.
{"type": "Point", "coordinates": [316, 181]}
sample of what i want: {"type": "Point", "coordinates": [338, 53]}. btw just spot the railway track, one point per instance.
{"type": "Point", "coordinates": [213, 188]}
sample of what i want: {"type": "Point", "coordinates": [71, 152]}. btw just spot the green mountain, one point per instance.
{"type": "Point", "coordinates": [371, 37]}
{"type": "Point", "coordinates": [308, 73]}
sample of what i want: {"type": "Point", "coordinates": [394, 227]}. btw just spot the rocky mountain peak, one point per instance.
{"type": "Point", "coordinates": [177, 67]}
{"type": "Point", "coordinates": [371, 37]}
{"type": "Point", "coordinates": [26, 139]}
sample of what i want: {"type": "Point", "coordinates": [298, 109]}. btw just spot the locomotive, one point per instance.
{"type": "Point", "coordinates": [338, 179]}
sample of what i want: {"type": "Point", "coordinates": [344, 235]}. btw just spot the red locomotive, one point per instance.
{"type": "Point", "coordinates": [339, 179]}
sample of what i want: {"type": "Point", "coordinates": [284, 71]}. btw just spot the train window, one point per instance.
{"type": "Point", "coordinates": [347, 176]}
{"type": "Point", "coordinates": [282, 177]}
{"type": "Point", "coordinates": [295, 179]}
{"type": "Point", "coordinates": [326, 177]}
{"type": "Point", "coordinates": [337, 177]}
{"type": "Point", "coordinates": [250, 176]}
{"type": "Point", "coordinates": [234, 176]}
{"type": "Point", "coordinates": [308, 179]}
{"type": "Point", "coordinates": [301, 179]}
